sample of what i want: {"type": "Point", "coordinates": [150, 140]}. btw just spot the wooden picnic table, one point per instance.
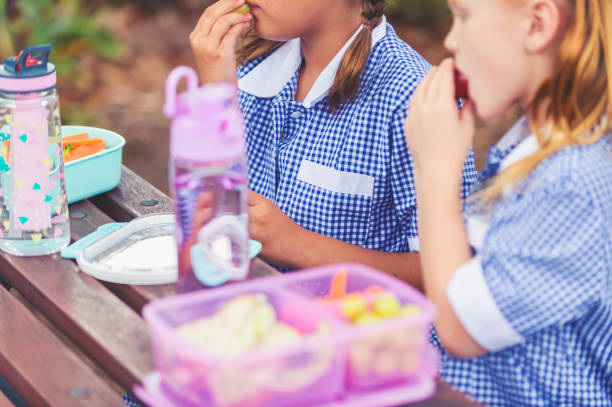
{"type": "Point", "coordinates": [67, 339]}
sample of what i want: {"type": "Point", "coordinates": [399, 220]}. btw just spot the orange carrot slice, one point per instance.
{"type": "Point", "coordinates": [337, 287]}
{"type": "Point", "coordinates": [83, 150]}
{"type": "Point", "coordinates": [75, 137]}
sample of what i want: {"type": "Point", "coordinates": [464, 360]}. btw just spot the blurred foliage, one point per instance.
{"type": "Point", "coordinates": [433, 13]}
{"type": "Point", "coordinates": [69, 25]}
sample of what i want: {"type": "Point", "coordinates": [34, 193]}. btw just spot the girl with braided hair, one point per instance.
{"type": "Point", "coordinates": [324, 88]}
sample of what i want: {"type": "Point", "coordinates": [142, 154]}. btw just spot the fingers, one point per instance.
{"type": "Point", "coordinates": [213, 12]}
{"type": "Point", "coordinates": [443, 88]}
{"type": "Point", "coordinates": [224, 24]}
{"type": "Point", "coordinates": [228, 43]}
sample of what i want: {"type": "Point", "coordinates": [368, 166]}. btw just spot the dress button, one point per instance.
{"type": "Point", "coordinates": [296, 115]}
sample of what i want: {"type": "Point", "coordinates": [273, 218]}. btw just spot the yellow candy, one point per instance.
{"type": "Point", "coordinates": [7, 224]}
{"type": "Point", "coordinates": [58, 209]}
{"type": "Point", "coordinates": [387, 306]}
{"type": "Point", "coordinates": [353, 306]}
{"type": "Point", "coordinates": [36, 237]}
{"type": "Point", "coordinates": [367, 318]}
{"type": "Point", "coordinates": [410, 310]}
{"type": "Point", "coordinates": [8, 118]}
{"type": "Point", "coordinates": [19, 183]}
{"type": "Point", "coordinates": [245, 9]}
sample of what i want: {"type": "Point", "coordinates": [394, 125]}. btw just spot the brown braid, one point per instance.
{"type": "Point", "coordinates": [347, 82]}
{"type": "Point", "coordinates": [348, 78]}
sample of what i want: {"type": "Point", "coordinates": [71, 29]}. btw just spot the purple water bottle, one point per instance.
{"type": "Point", "coordinates": [33, 208]}
{"type": "Point", "coordinates": [208, 181]}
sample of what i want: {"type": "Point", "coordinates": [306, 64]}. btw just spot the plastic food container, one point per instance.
{"type": "Point", "coordinates": [323, 370]}
{"type": "Point", "coordinates": [302, 374]}
{"type": "Point", "coordinates": [142, 251]}
{"type": "Point", "coordinates": [97, 173]}
{"type": "Point", "coordinates": [381, 354]}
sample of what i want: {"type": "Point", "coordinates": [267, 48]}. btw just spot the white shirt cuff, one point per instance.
{"type": "Point", "coordinates": [475, 307]}
{"type": "Point", "coordinates": [413, 244]}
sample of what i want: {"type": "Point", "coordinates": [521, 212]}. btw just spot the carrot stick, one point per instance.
{"type": "Point", "coordinates": [75, 137]}
{"type": "Point", "coordinates": [337, 287]}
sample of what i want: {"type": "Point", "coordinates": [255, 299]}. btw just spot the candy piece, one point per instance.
{"type": "Point", "coordinates": [245, 9]}
{"type": "Point", "coordinates": [367, 318]}
{"type": "Point", "coordinates": [337, 287]}
{"type": "Point", "coordinates": [7, 118]}
{"type": "Point", "coordinates": [353, 306]}
{"type": "Point", "coordinates": [36, 186]}
{"type": "Point", "coordinates": [48, 198]}
{"type": "Point", "coordinates": [361, 357]}
{"type": "Point", "coordinates": [7, 224]}
{"type": "Point", "coordinates": [19, 183]}
{"type": "Point", "coordinates": [23, 137]}
{"type": "Point", "coordinates": [461, 86]}
{"type": "Point", "coordinates": [23, 220]}
{"type": "Point", "coordinates": [385, 362]}
{"type": "Point", "coordinates": [410, 310]}
{"type": "Point", "coordinates": [387, 305]}
{"type": "Point", "coordinates": [58, 209]}
{"type": "Point", "coordinates": [36, 237]}
{"type": "Point", "coordinates": [374, 290]}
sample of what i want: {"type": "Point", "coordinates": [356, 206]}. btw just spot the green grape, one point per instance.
{"type": "Point", "coordinates": [245, 9]}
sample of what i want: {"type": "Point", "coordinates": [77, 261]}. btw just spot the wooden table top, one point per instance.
{"type": "Point", "coordinates": [67, 339]}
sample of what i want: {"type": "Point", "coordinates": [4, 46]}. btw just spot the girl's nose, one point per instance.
{"type": "Point", "coordinates": [450, 42]}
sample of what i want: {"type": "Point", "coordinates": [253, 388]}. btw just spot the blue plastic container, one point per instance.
{"type": "Point", "coordinates": [97, 173]}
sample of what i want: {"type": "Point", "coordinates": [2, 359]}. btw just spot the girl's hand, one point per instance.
{"type": "Point", "coordinates": [213, 40]}
{"type": "Point", "coordinates": [277, 233]}
{"type": "Point", "coordinates": [438, 133]}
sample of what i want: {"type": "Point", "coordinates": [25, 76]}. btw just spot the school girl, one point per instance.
{"type": "Point", "coordinates": [324, 87]}
{"type": "Point", "coordinates": [523, 280]}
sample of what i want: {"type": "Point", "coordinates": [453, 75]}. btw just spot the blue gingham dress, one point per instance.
{"type": "Point", "coordinates": [347, 175]}
{"type": "Point", "coordinates": [538, 293]}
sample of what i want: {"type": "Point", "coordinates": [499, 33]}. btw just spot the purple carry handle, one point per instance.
{"type": "Point", "coordinates": [172, 83]}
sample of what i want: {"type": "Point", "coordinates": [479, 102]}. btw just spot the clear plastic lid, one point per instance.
{"type": "Point", "coordinates": [142, 252]}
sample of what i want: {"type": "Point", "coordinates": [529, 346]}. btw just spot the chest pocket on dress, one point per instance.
{"type": "Point", "coordinates": [334, 203]}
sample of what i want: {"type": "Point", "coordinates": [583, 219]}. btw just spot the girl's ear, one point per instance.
{"type": "Point", "coordinates": [544, 20]}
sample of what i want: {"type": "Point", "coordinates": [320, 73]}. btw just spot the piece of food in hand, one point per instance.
{"type": "Point", "coordinates": [461, 86]}
{"type": "Point", "coordinates": [245, 9]}
{"type": "Point", "coordinates": [387, 306]}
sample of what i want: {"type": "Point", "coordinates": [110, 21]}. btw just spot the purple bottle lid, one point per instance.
{"type": "Point", "coordinates": [207, 126]}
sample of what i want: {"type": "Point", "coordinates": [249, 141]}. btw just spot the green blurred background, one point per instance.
{"type": "Point", "coordinates": [113, 56]}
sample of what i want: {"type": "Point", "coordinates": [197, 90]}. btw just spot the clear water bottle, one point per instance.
{"type": "Point", "coordinates": [208, 181]}
{"type": "Point", "coordinates": [33, 206]}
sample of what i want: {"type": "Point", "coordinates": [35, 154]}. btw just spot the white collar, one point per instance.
{"type": "Point", "coordinates": [269, 77]}
{"type": "Point", "coordinates": [527, 143]}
